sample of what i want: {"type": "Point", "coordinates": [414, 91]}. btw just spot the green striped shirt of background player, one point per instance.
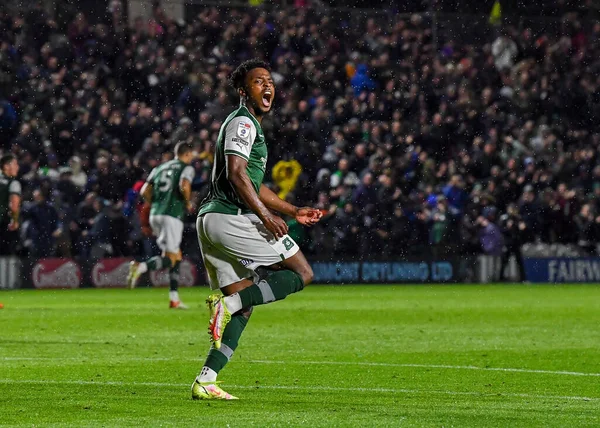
{"type": "Point", "coordinates": [10, 202]}
{"type": "Point", "coordinates": [236, 188]}
{"type": "Point", "coordinates": [167, 182]}
{"type": "Point", "coordinates": [168, 190]}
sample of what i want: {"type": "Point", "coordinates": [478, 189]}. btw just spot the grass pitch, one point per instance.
{"type": "Point", "coordinates": [368, 355]}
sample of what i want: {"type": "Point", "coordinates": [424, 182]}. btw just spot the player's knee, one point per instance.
{"type": "Point", "coordinates": [174, 257]}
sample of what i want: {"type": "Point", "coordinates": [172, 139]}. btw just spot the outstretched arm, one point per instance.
{"type": "Point", "coordinates": [146, 192]}
{"type": "Point", "coordinates": [185, 187]}
{"type": "Point", "coordinates": [274, 202]}
{"type": "Point", "coordinates": [304, 215]}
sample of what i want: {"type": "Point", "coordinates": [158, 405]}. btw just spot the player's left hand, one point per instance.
{"type": "Point", "coordinates": [308, 216]}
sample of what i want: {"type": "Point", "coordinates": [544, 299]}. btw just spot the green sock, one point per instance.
{"type": "Point", "coordinates": [158, 263]}
{"type": "Point", "coordinates": [277, 286]}
{"type": "Point", "coordinates": [174, 277]}
{"type": "Point", "coordinates": [217, 359]}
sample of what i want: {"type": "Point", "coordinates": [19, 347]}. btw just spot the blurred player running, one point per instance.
{"type": "Point", "coordinates": [168, 190]}
{"type": "Point", "coordinates": [238, 232]}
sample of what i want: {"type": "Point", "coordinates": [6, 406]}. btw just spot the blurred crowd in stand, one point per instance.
{"type": "Point", "coordinates": [408, 147]}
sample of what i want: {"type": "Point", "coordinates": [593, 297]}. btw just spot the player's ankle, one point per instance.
{"type": "Point", "coordinates": [233, 303]}
{"type": "Point", "coordinates": [207, 375]}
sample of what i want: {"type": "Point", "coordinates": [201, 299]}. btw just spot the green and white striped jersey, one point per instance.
{"type": "Point", "coordinates": [166, 196]}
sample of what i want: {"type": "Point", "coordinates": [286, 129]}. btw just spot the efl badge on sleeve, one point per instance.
{"type": "Point", "coordinates": [243, 130]}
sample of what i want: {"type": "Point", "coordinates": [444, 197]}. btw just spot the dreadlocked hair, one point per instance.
{"type": "Point", "coordinates": [238, 77]}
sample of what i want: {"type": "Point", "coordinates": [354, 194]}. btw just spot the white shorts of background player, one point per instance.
{"type": "Point", "coordinates": [168, 231]}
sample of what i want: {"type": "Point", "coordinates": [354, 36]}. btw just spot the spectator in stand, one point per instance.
{"type": "Point", "coordinates": [440, 228]}
{"type": "Point", "coordinates": [513, 230]}
{"type": "Point", "coordinates": [105, 180]}
{"type": "Point", "coordinates": [79, 33]}
{"type": "Point", "coordinates": [586, 229]}
{"type": "Point", "coordinates": [419, 237]}
{"type": "Point", "coordinates": [346, 226]}
{"type": "Point", "coordinates": [529, 212]}
{"type": "Point", "coordinates": [343, 175]}
{"type": "Point", "coordinates": [388, 195]}
{"type": "Point", "coordinates": [8, 121]}
{"type": "Point", "coordinates": [29, 140]}
{"type": "Point", "coordinates": [400, 231]}
{"type": "Point", "coordinates": [41, 226]}
{"type": "Point", "coordinates": [359, 161]}
{"type": "Point", "coordinates": [78, 175]}
{"type": "Point", "coordinates": [361, 81]}
{"type": "Point", "coordinates": [455, 194]}
{"type": "Point", "coordinates": [492, 240]}
{"type": "Point", "coordinates": [365, 195]}
{"type": "Point", "coordinates": [505, 52]}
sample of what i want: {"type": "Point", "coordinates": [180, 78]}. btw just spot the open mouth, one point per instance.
{"type": "Point", "coordinates": [267, 98]}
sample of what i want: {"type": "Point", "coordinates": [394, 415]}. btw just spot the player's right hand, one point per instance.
{"type": "Point", "coordinates": [13, 225]}
{"type": "Point", "coordinates": [275, 225]}
{"type": "Point", "coordinates": [308, 216]}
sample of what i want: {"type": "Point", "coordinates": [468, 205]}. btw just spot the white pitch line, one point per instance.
{"type": "Point", "coordinates": [429, 366]}
{"type": "Point", "coordinates": [300, 388]}
{"type": "Point", "coordinates": [113, 359]}
{"type": "Point", "coordinates": [334, 363]}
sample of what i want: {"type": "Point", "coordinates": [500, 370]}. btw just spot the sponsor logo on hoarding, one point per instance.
{"type": "Point", "coordinates": [577, 269]}
{"type": "Point", "coordinates": [336, 272]}
{"type": "Point", "coordinates": [187, 275]}
{"type": "Point", "coordinates": [56, 273]}
{"type": "Point", "coordinates": [111, 272]}
{"type": "Point", "coordinates": [383, 272]}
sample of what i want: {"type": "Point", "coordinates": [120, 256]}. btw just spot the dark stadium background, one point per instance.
{"type": "Point", "coordinates": [560, 221]}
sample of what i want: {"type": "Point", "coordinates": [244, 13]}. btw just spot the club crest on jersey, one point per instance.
{"type": "Point", "coordinates": [243, 130]}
